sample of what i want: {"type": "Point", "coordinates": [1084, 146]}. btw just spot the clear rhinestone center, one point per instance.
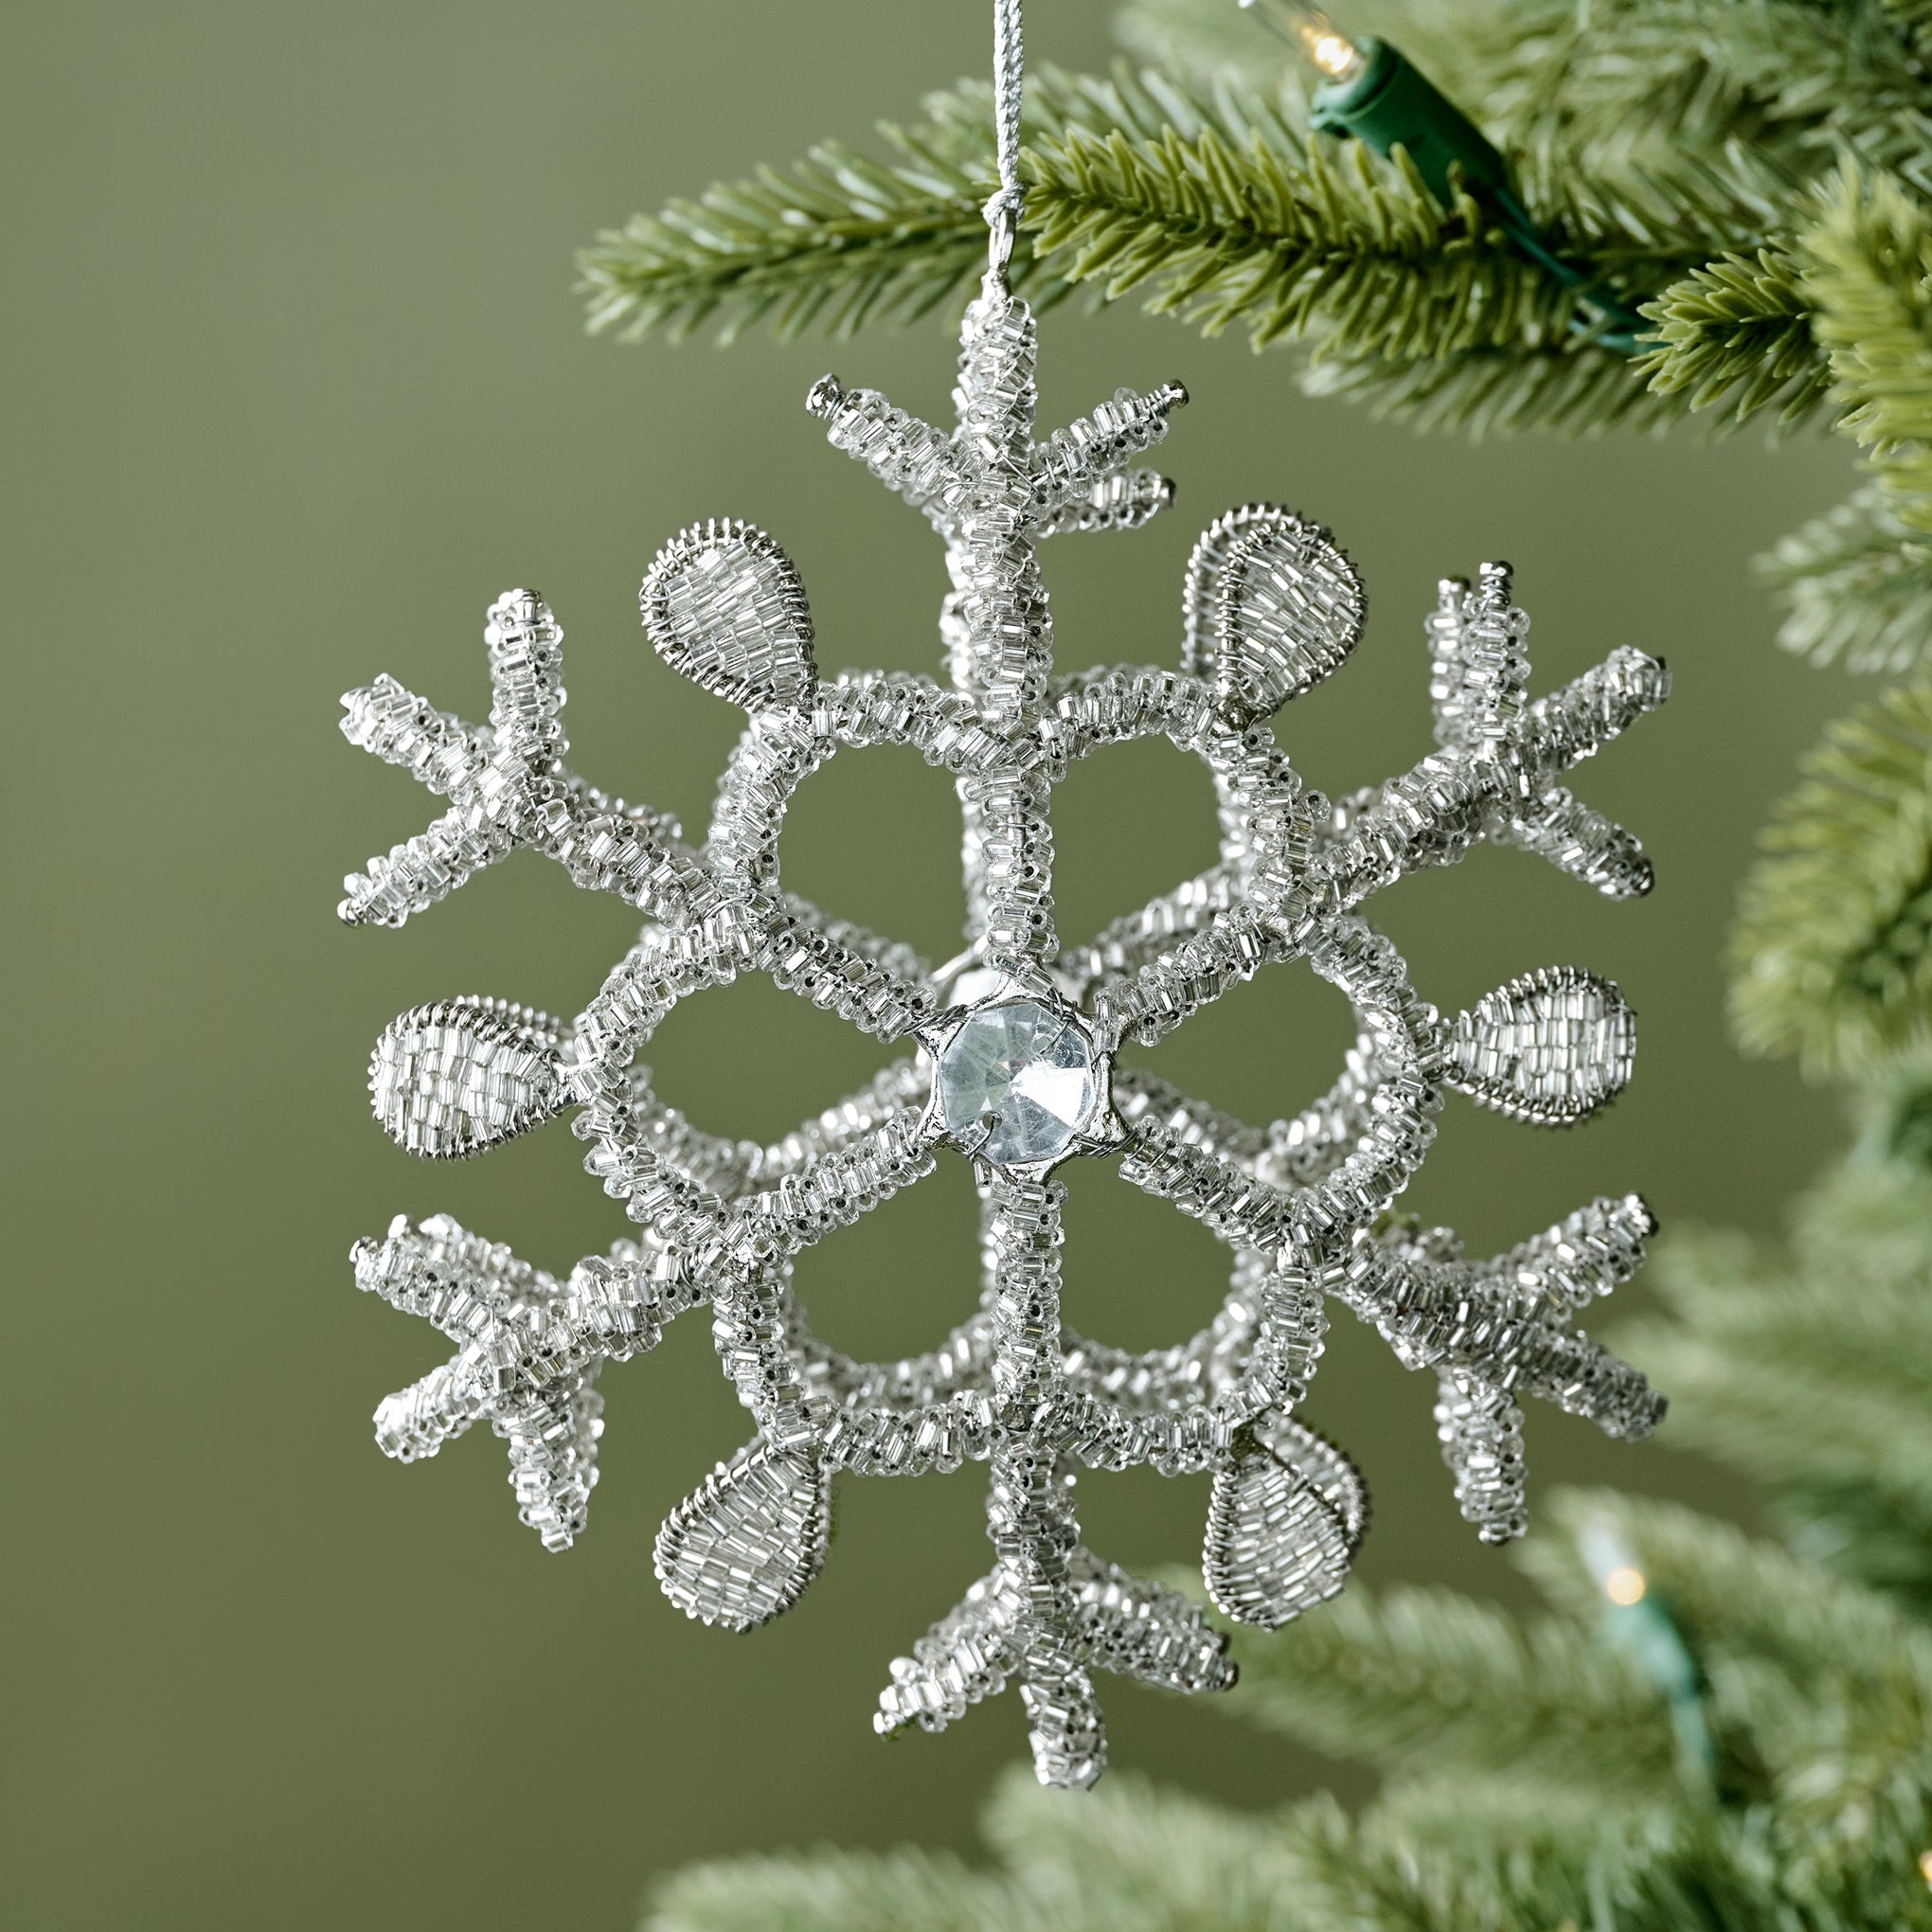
{"type": "Point", "coordinates": [1016, 1081]}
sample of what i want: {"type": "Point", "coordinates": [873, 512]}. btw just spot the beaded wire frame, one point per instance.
{"type": "Point", "coordinates": [1271, 607]}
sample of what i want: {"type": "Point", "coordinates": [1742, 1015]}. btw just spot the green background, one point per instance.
{"type": "Point", "coordinates": [297, 385]}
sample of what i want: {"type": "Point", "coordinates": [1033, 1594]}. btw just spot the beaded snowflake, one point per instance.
{"type": "Point", "coordinates": [1014, 1066]}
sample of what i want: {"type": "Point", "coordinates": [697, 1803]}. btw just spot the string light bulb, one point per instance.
{"type": "Point", "coordinates": [1926, 1867]}
{"type": "Point", "coordinates": [1639, 1623]}
{"type": "Point", "coordinates": [1625, 1586]}
{"type": "Point", "coordinates": [1310, 30]}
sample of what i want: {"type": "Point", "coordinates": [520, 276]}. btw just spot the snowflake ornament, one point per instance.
{"type": "Point", "coordinates": [1014, 1066]}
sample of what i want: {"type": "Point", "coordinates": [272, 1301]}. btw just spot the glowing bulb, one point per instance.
{"type": "Point", "coordinates": [1624, 1586]}
{"type": "Point", "coordinates": [1333, 55]}
{"type": "Point", "coordinates": [1926, 1866]}
{"type": "Point", "coordinates": [1310, 30]}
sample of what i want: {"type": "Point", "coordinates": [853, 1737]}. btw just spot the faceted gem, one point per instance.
{"type": "Point", "coordinates": [974, 985]}
{"type": "Point", "coordinates": [1016, 1081]}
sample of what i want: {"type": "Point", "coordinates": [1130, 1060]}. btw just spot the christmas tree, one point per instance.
{"type": "Point", "coordinates": [1701, 209]}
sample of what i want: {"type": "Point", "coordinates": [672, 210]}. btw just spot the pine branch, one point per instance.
{"type": "Point", "coordinates": [1721, 1875]}
{"type": "Point", "coordinates": [1125, 1857]}
{"type": "Point", "coordinates": [838, 1892]}
{"type": "Point", "coordinates": [1832, 951]}
{"type": "Point", "coordinates": [1876, 1538]}
{"type": "Point", "coordinates": [1328, 242]}
{"type": "Point", "coordinates": [1736, 334]}
{"type": "Point", "coordinates": [1857, 585]}
{"type": "Point", "coordinates": [1802, 80]}
{"type": "Point", "coordinates": [1870, 275]}
{"type": "Point", "coordinates": [838, 240]}
{"type": "Point", "coordinates": [1442, 1805]}
{"type": "Point", "coordinates": [1663, 146]}
{"type": "Point", "coordinates": [1244, 219]}
{"type": "Point", "coordinates": [841, 241]}
{"type": "Point", "coordinates": [1815, 1372]}
{"type": "Point", "coordinates": [1567, 388]}
{"type": "Point", "coordinates": [1813, 1376]}
{"type": "Point", "coordinates": [1133, 1855]}
{"type": "Point", "coordinates": [1825, 1685]}
{"type": "Point", "coordinates": [1638, 82]}
{"type": "Point", "coordinates": [1219, 208]}
{"type": "Point", "coordinates": [1424, 1673]}
{"type": "Point", "coordinates": [1362, 1878]}
{"type": "Point", "coordinates": [1379, 1872]}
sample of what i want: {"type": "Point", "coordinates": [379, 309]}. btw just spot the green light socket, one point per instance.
{"type": "Point", "coordinates": [1389, 101]}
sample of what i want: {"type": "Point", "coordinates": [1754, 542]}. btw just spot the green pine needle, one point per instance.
{"type": "Point", "coordinates": [1856, 585]}
{"type": "Point", "coordinates": [1818, 1688]}
{"type": "Point", "coordinates": [1326, 243]}
{"type": "Point", "coordinates": [1832, 950]}
{"type": "Point", "coordinates": [1811, 1372]}
{"type": "Point", "coordinates": [1131, 1856]}
{"type": "Point", "coordinates": [1870, 276]}
{"type": "Point", "coordinates": [1223, 212]}
{"type": "Point", "coordinates": [1805, 1378]}
{"type": "Point", "coordinates": [1723, 1874]}
{"type": "Point", "coordinates": [1566, 387]}
{"type": "Point", "coordinates": [837, 1892]}
{"type": "Point", "coordinates": [841, 241]}
{"type": "Point", "coordinates": [1216, 207]}
{"type": "Point", "coordinates": [1798, 80]}
{"type": "Point", "coordinates": [1736, 335]}
{"type": "Point", "coordinates": [1212, 202]}
{"type": "Point", "coordinates": [837, 242]}
{"type": "Point", "coordinates": [1881, 1540]}
{"type": "Point", "coordinates": [1389, 1679]}
{"type": "Point", "coordinates": [1125, 1858]}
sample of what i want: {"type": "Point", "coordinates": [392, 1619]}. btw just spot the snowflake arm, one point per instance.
{"type": "Point", "coordinates": [529, 1349]}
{"type": "Point", "coordinates": [511, 789]}
{"type": "Point", "coordinates": [1092, 452]}
{"type": "Point", "coordinates": [1504, 789]}
{"type": "Point", "coordinates": [1121, 500]}
{"type": "Point", "coordinates": [500, 804]}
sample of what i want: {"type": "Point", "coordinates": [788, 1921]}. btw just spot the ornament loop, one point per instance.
{"type": "Point", "coordinates": [1002, 229]}
{"type": "Point", "coordinates": [1008, 73]}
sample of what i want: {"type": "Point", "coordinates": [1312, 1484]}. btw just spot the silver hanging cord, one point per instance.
{"type": "Point", "coordinates": [1008, 70]}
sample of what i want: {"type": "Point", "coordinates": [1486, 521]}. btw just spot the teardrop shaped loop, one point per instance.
{"type": "Point", "coordinates": [726, 606]}
{"type": "Point", "coordinates": [455, 1078]}
{"type": "Point", "coordinates": [1552, 1048]}
{"type": "Point", "coordinates": [745, 1543]}
{"type": "Point", "coordinates": [1271, 606]}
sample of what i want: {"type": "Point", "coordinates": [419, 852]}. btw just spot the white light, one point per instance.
{"type": "Point", "coordinates": [1624, 1586]}
{"type": "Point", "coordinates": [1310, 30]}
{"type": "Point", "coordinates": [1333, 55]}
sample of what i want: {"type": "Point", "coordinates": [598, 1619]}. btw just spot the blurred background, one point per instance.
{"type": "Point", "coordinates": [296, 385]}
